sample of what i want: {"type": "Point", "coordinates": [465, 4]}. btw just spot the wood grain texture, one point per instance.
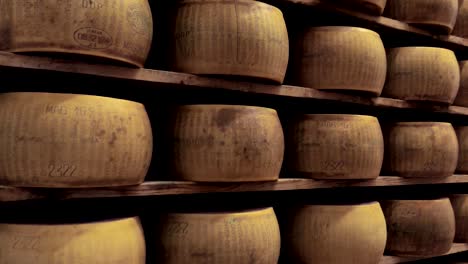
{"type": "Point", "coordinates": [161, 188]}
{"type": "Point", "coordinates": [456, 248]}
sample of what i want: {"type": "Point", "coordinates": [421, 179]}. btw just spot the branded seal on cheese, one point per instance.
{"type": "Point", "coordinates": [419, 227]}
{"type": "Point", "coordinates": [69, 140]}
{"type": "Point", "coordinates": [420, 149]}
{"type": "Point", "coordinates": [230, 37]}
{"type": "Point", "coordinates": [462, 95]}
{"type": "Point", "coordinates": [115, 30]}
{"type": "Point", "coordinates": [226, 143]}
{"type": "Point", "coordinates": [340, 58]}
{"type": "Point", "coordinates": [460, 208]}
{"type": "Point", "coordinates": [322, 146]}
{"type": "Point", "coordinates": [438, 16]}
{"type": "Point", "coordinates": [422, 74]}
{"type": "Point", "coordinates": [212, 238]}
{"type": "Point", "coordinates": [462, 136]}
{"type": "Point", "coordinates": [107, 242]}
{"type": "Point", "coordinates": [353, 234]}
{"type": "Point", "coordinates": [461, 27]}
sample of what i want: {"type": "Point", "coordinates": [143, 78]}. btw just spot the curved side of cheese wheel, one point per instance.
{"type": "Point", "coordinates": [107, 242]}
{"type": "Point", "coordinates": [374, 7]}
{"type": "Point", "coordinates": [226, 143]}
{"type": "Point", "coordinates": [462, 136]}
{"type": "Point", "coordinates": [336, 146]}
{"type": "Point", "coordinates": [340, 58]}
{"type": "Point", "coordinates": [462, 95]}
{"type": "Point", "coordinates": [461, 27]}
{"type": "Point", "coordinates": [437, 15]}
{"type": "Point", "coordinates": [209, 238]}
{"type": "Point", "coordinates": [419, 227]}
{"type": "Point", "coordinates": [69, 140]}
{"type": "Point", "coordinates": [116, 30]}
{"type": "Point", "coordinates": [422, 74]}
{"type": "Point", "coordinates": [354, 234]}
{"type": "Point", "coordinates": [460, 208]}
{"type": "Point", "coordinates": [421, 149]}
{"type": "Point", "coordinates": [241, 37]}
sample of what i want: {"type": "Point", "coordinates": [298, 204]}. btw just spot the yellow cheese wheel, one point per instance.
{"type": "Point", "coordinates": [438, 16]}
{"type": "Point", "coordinates": [215, 238]}
{"type": "Point", "coordinates": [117, 30]}
{"type": "Point", "coordinates": [419, 227]}
{"type": "Point", "coordinates": [374, 7]}
{"type": "Point", "coordinates": [326, 146]}
{"type": "Point", "coordinates": [421, 149]}
{"type": "Point", "coordinates": [422, 74]}
{"type": "Point", "coordinates": [69, 140]}
{"type": "Point", "coordinates": [462, 96]}
{"type": "Point", "coordinates": [226, 143]}
{"type": "Point", "coordinates": [335, 234]}
{"type": "Point", "coordinates": [340, 58]}
{"type": "Point", "coordinates": [462, 136]}
{"type": "Point", "coordinates": [231, 37]}
{"type": "Point", "coordinates": [118, 241]}
{"type": "Point", "coordinates": [460, 208]}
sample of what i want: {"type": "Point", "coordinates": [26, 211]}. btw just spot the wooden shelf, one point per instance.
{"type": "Point", "coordinates": [159, 188]}
{"type": "Point", "coordinates": [456, 248]}
{"type": "Point", "coordinates": [163, 79]}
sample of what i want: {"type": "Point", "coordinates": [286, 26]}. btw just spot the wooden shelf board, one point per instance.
{"type": "Point", "coordinates": [456, 248]}
{"type": "Point", "coordinates": [158, 188]}
{"type": "Point", "coordinates": [159, 78]}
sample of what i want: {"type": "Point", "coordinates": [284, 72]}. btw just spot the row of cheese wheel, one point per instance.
{"type": "Point", "coordinates": [355, 234]}
{"type": "Point", "coordinates": [69, 140]}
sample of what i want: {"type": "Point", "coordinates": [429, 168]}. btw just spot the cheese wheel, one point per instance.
{"type": "Point", "coordinates": [422, 74]}
{"type": "Point", "coordinates": [116, 30]}
{"type": "Point", "coordinates": [460, 208]}
{"type": "Point", "coordinates": [336, 234]}
{"type": "Point", "coordinates": [421, 149]}
{"type": "Point", "coordinates": [340, 58]}
{"type": "Point", "coordinates": [462, 96]}
{"type": "Point", "coordinates": [325, 146]}
{"type": "Point", "coordinates": [231, 37]}
{"type": "Point", "coordinates": [231, 238]}
{"type": "Point", "coordinates": [108, 242]}
{"type": "Point", "coordinates": [226, 143]}
{"type": "Point", "coordinates": [419, 227]}
{"type": "Point", "coordinates": [438, 16]}
{"type": "Point", "coordinates": [69, 140]}
{"type": "Point", "coordinates": [374, 7]}
{"type": "Point", "coordinates": [461, 27]}
{"type": "Point", "coordinates": [462, 136]}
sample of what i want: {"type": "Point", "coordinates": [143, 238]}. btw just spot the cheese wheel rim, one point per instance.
{"type": "Point", "coordinates": [343, 28]}
{"type": "Point", "coordinates": [344, 117]}
{"type": "Point", "coordinates": [235, 107]}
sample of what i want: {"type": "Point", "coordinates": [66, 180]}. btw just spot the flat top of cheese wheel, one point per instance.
{"type": "Point", "coordinates": [342, 28]}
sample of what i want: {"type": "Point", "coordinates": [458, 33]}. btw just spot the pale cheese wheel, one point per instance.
{"type": "Point", "coordinates": [212, 238]}
{"type": "Point", "coordinates": [340, 58]}
{"type": "Point", "coordinates": [460, 208]}
{"type": "Point", "coordinates": [462, 136]}
{"type": "Point", "coordinates": [421, 149]}
{"type": "Point", "coordinates": [226, 143]}
{"type": "Point", "coordinates": [374, 7]}
{"type": "Point", "coordinates": [422, 74]}
{"type": "Point", "coordinates": [462, 95]}
{"type": "Point", "coordinates": [461, 27]}
{"type": "Point", "coordinates": [118, 241]}
{"type": "Point", "coordinates": [419, 227]}
{"type": "Point", "coordinates": [231, 37]}
{"type": "Point", "coordinates": [332, 146]}
{"type": "Point", "coordinates": [116, 30]}
{"type": "Point", "coordinates": [69, 140]}
{"type": "Point", "coordinates": [336, 234]}
{"type": "Point", "coordinates": [438, 16]}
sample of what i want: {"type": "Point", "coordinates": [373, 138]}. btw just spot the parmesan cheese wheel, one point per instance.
{"type": "Point", "coordinates": [375, 7]}
{"type": "Point", "coordinates": [117, 30]}
{"type": "Point", "coordinates": [231, 37]}
{"type": "Point", "coordinates": [460, 208]}
{"type": "Point", "coordinates": [461, 27]}
{"type": "Point", "coordinates": [422, 74]}
{"type": "Point", "coordinates": [226, 143]}
{"type": "Point", "coordinates": [462, 136]}
{"type": "Point", "coordinates": [419, 227]}
{"type": "Point", "coordinates": [438, 16]}
{"type": "Point", "coordinates": [462, 96]}
{"type": "Point", "coordinates": [209, 238]}
{"type": "Point", "coordinates": [69, 140]}
{"type": "Point", "coordinates": [421, 149]}
{"type": "Point", "coordinates": [107, 242]}
{"type": "Point", "coordinates": [336, 234]}
{"type": "Point", "coordinates": [340, 58]}
{"type": "Point", "coordinates": [325, 146]}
